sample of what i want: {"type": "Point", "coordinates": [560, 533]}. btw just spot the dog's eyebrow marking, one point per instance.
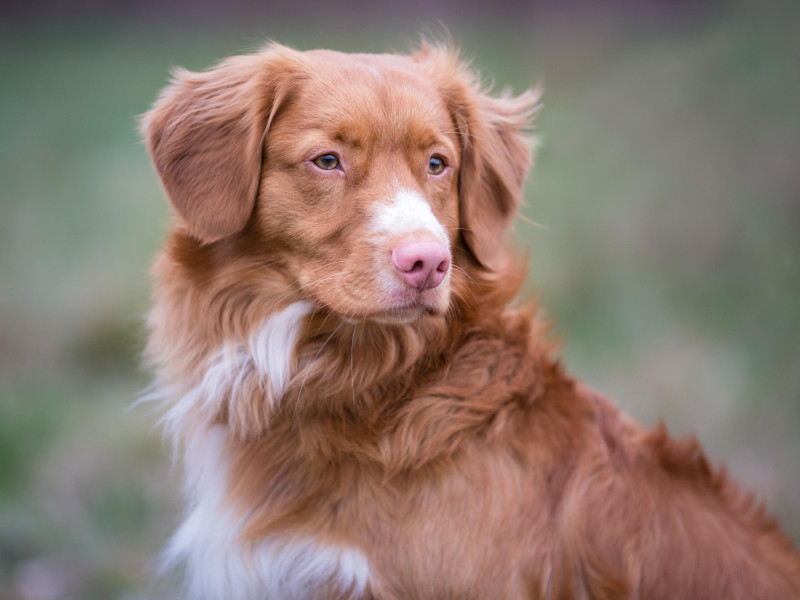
{"type": "Point", "coordinates": [408, 212]}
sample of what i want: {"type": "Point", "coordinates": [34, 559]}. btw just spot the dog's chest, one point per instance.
{"type": "Point", "coordinates": [419, 544]}
{"type": "Point", "coordinates": [220, 565]}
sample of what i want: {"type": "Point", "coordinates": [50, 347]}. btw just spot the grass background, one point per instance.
{"type": "Point", "coordinates": [667, 184]}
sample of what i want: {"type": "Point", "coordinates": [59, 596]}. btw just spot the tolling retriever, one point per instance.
{"type": "Point", "coordinates": [360, 411]}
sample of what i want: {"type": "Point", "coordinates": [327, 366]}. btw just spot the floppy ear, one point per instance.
{"type": "Point", "coordinates": [495, 153]}
{"type": "Point", "coordinates": [205, 135]}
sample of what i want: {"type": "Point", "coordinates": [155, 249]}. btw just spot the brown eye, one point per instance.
{"type": "Point", "coordinates": [436, 165]}
{"type": "Point", "coordinates": [327, 162]}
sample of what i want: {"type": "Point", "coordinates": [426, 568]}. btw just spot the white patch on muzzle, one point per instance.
{"type": "Point", "coordinates": [407, 213]}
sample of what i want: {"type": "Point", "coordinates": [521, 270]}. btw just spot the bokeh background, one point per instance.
{"type": "Point", "coordinates": [666, 247]}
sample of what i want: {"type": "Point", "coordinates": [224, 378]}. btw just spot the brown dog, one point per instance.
{"type": "Point", "coordinates": [361, 415]}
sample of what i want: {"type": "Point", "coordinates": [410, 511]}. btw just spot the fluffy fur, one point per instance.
{"type": "Point", "coordinates": [348, 434]}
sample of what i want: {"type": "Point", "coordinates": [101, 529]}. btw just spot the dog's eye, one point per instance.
{"type": "Point", "coordinates": [327, 162]}
{"type": "Point", "coordinates": [436, 165]}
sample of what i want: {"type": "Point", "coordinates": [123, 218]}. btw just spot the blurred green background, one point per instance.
{"type": "Point", "coordinates": [667, 187]}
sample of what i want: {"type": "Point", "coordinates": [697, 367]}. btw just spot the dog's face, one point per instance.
{"type": "Point", "coordinates": [360, 185]}
{"type": "Point", "coordinates": [371, 181]}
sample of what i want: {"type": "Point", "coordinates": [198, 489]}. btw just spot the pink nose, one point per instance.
{"type": "Point", "coordinates": [422, 265]}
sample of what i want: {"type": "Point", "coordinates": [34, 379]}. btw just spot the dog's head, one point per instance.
{"type": "Point", "coordinates": [370, 181]}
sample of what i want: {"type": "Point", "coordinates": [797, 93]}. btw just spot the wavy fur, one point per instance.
{"type": "Point", "coordinates": [348, 436]}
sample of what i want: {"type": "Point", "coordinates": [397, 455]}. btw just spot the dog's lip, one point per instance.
{"type": "Point", "coordinates": [399, 314]}
{"type": "Point", "coordinates": [411, 306]}
{"type": "Point", "coordinates": [394, 308]}
{"type": "Point", "coordinates": [404, 312]}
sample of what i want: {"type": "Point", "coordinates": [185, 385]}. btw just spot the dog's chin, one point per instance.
{"type": "Point", "coordinates": [400, 313]}
{"type": "Point", "coordinates": [410, 309]}
{"type": "Point", "coordinates": [389, 307]}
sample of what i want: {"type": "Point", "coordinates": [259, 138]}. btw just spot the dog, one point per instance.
{"type": "Point", "coordinates": [360, 410]}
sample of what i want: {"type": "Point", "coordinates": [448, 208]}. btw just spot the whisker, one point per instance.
{"type": "Point", "coordinates": [522, 217]}
{"type": "Point", "coordinates": [470, 281]}
{"type": "Point", "coordinates": [308, 367]}
{"type": "Point", "coordinates": [462, 298]}
{"type": "Point", "coordinates": [459, 130]}
{"type": "Point", "coordinates": [352, 376]}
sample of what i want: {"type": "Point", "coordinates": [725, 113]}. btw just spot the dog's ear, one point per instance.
{"type": "Point", "coordinates": [205, 135]}
{"type": "Point", "coordinates": [495, 152]}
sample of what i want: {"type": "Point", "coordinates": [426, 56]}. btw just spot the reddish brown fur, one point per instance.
{"type": "Point", "coordinates": [453, 450]}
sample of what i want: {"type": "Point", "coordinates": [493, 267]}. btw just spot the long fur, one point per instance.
{"type": "Point", "coordinates": [345, 436]}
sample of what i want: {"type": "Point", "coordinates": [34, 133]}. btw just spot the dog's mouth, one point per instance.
{"type": "Point", "coordinates": [404, 313]}
{"type": "Point", "coordinates": [392, 310]}
{"type": "Point", "coordinates": [400, 313]}
{"type": "Point", "coordinates": [387, 292]}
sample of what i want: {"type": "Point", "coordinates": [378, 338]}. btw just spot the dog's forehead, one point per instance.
{"type": "Point", "coordinates": [380, 92]}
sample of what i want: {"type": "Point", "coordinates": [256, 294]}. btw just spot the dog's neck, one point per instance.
{"type": "Point", "coordinates": [251, 349]}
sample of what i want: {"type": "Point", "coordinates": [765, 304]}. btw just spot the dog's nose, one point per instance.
{"type": "Point", "coordinates": [422, 265]}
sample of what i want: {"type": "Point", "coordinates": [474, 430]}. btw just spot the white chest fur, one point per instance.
{"type": "Point", "coordinates": [217, 564]}
{"type": "Point", "coordinates": [263, 362]}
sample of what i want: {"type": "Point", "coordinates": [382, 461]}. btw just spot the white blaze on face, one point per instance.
{"type": "Point", "coordinates": [408, 212]}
